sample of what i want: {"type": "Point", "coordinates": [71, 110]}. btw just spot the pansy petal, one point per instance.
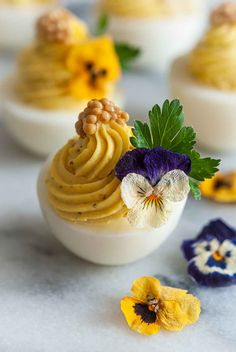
{"type": "Point", "coordinates": [132, 162]}
{"type": "Point", "coordinates": [174, 186]}
{"type": "Point", "coordinates": [171, 317]}
{"type": "Point", "coordinates": [228, 246]}
{"type": "Point", "coordinates": [211, 279]}
{"type": "Point", "coordinates": [219, 229]}
{"type": "Point", "coordinates": [171, 293]}
{"type": "Point", "coordinates": [133, 188]}
{"type": "Point", "coordinates": [139, 317]}
{"type": "Point", "coordinates": [146, 286]}
{"type": "Point", "coordinates": [189, 304]}
{"type": "Point", "coordinates": [188, 249]}
{"type": "Point", "coordinates": [221, 187]}
{"type": "Point", "coordinates": [159, 161]}
{"type": "Point", "coordinates": [181, 311]}
{"type": "Point", "coordinates": [150, 213]}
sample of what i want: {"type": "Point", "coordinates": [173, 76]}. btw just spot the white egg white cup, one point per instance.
{"type": "Point", "coordinates": [42, 131]}
{"type": "Point", "coordinates": [160, 40]}
{"type": "Point", "coordinates": [115, 243]}
{"type": "Point", "coordinates": [210, 111]}
{"type": "Point", "coordinates": [17, 24]}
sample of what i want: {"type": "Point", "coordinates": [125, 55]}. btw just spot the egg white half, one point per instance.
{"type": "Point", "coordinates": [42, 131]}
{"type": "Point", "coordinates": [209, 110]}
{"type": "Point", "coordinates": [114, 243]}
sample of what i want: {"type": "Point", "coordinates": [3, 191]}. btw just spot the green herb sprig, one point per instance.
{"type": "Point", "coordinates": [165, 129]}
{"type": "Point", "coordinates": [102, 24]}
{"type": "Point", "coordinates": [125, 52]}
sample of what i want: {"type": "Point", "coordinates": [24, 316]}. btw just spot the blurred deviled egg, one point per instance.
{"type": "Point", "coordinates": [17, 19]}
{"type": "Point", "coordinates": [205, 80]}
{"type": "Point", "coordinates": [54, 78]}
{"type": "Point", "coordinates": [162, 29]}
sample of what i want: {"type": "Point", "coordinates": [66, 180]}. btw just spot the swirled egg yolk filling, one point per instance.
{"type": "Point", "coordinates": [212, 62]}
{"type": "Point", "coordinates": [149, 8]}
{"type": "Point", "coordinates": [82, 186]}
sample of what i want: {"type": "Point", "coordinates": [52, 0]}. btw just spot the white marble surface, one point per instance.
{"type": "Point", "coordinates": [52, 301]}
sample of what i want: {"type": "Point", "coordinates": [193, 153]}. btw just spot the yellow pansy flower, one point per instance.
{"type": "Point", "coordinates": [95, 67]}
{"type": "Point", "coordinates": [153, 307]}
{"type": "Point", "coordinates": [221, 188]}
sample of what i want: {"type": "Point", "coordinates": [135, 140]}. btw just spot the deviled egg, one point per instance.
{"type": "Point", "coordinates": [107, 199]}
{"type": "Point", "coordinates": [205, 80]}
{"type": "Point", "coordinates": [17, 19]}
{"type": "Point", "coordinates": [162, 29]}
{"type": "Point", "coordinates": [53, 80]}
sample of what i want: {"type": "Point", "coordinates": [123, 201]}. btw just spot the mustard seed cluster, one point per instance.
{"type": "Point", "coordinates": [102, 111]}
{"type": "Point", "coordinates": [224, 13]}
{"type": "Point", "coordinates": [55, 26]}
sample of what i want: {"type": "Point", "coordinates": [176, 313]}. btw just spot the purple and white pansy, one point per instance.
{"type": "Point", "coordinates": [154, 181]}
{"type": "Point", "coordinates": [211, 255]}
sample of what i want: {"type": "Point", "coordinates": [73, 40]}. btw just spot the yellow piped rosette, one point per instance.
{"type": "Point", "coordinates": [42, 79]}
{"type": "Point", "coordinates": [148, 8]}
{"type": "Point", "coordinates": [212, 62]}
{"type": "Point", "coordinates": [82, 186]}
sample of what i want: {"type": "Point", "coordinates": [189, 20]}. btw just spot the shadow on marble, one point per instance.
{"type": "Point", "coordinates": [35, 258]}
{"type": "Point", "coordinates": [10, 151]}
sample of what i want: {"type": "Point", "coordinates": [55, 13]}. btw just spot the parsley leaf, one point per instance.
{"type": "Point", "coordinates": [142, 135]}
{"type": "Point", "coordinates": [202, 168]}
{"type": "Point", "coordinates": [165, 123]}
{"type": "Point", "coordinates": [126, 54]}
{"type": "Point", "coordinates": [184, 141]}
{"type": "Point", "coordinates": [196, 192]}
{"type": "Point", "coordinates": [102, 24]}
{"type": "Point", "coordinates": [166, 130]}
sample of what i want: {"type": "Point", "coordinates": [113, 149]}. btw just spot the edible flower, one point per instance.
{"type": "Point", "coordinates": [153, 182]}
{"type": "Point", "coordinates": [154, 306]}
{"type": "Point", "coordinates": [211, 255]}
{"type": "Point", "coordinates": [164, 166]}
{"type": "Point", "coordinates": [221, 188]}
{"type": "Point", "coordinates": [95, 66]}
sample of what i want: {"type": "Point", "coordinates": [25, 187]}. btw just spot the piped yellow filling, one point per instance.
{"type": "Point", "coordinates": [212, 62]}
{"type": "Point", "coordinates": [82, 185]}
{"type": "Point", "coordinates": [149, 8]}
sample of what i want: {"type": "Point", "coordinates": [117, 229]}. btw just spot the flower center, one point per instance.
{"type": "Point", "coordinates": [222, 183]}
{"type": "Point", "coordinates": [147, 311]}
{"type": "Point", "coordinates": [217, 256]}
{"type": "Point", "coordinates": [153, 197]}
{"type": "Point", "coordinates": [94, 73]}
{"type": "Point", "coordinates": [153, 305]}
{"type": "Point", "coordinates": [147, 315]}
